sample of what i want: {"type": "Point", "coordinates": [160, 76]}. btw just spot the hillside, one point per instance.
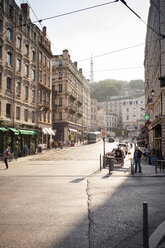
{"type": "Point", "coordinates": [102, 90]}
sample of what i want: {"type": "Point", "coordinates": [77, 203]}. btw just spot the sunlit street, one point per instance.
{"type": "Point", "coordinates": [61, 199]}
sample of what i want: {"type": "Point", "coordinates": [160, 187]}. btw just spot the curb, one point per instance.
{"type": "Point", "coordinates": [157, 236]}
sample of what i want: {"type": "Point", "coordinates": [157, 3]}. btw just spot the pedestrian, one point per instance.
{"type": "Point", "coordinates": [137, 159]}
{"type": "Point", "coordinates": [6, 155]}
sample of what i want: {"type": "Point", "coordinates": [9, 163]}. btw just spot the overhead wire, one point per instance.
{"type": "Point", "coordinates": [159, 34]}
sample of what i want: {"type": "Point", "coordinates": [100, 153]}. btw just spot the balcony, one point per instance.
{"type": "Point", "coordinates": [72, 94]}
{"type": "Point", "coordinates": [80, 99]}
{"type": "Point", "coordinates": [45, 105]}
{"type": "Point", "coordinates": [80, 112]}
{"type": "Point", "coordinates": [72, 107]}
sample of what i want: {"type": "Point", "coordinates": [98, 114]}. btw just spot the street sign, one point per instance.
{"type": "Point", "coordinates": [147, 117]}
{"type": "Point", "coordinates": [103, 133]}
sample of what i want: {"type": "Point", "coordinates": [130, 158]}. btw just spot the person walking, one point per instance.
{"type": "Point", "coordinates": [6, 155]}
{"type": "Point", "coordinates": [137, 159]}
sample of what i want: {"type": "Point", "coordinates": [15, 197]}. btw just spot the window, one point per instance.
{"type": "Point", "coordinates": [48, 81]}
{"type": "Point", "coordinates": [9, 58]}
{"type": "Point", "coordinates": [40, 96]}
{"type": "Point", "coordinates": [26, 70]}
{"type": "Point", "coordinates": [26, 92]}
{"type": "Point", "coordinates": [40, 76]}
{"type": "Point", "coordinates": [33, 116]}
{"type": "Point", "coordinates": [34, 54]}
{"type": "Point", "coordinates": [1, 45]}
{"type": "Point", "coordinates": [18, 88]}
{"type": "Point", "coordinates": [40, 57]}
{"type": "Point", "coordinates": [127, 109]}
{"type": "Point", "coordinates": [34, 36]}
{"type": "Point", "coordinates": [44, 78]}
{"type": "Point", "coordinates": [48, 117]}
{"type": "Point", "coordinates": [49, 64]}
{"type": "Point", "coordinates": [60, 116]}
{"type": "Point", "coordinates": [53, 116]}
{"type": "Point", "coordinates": [44, 60]}
{"type": "Point", "coordinates": [18, 113]}
{"type": "Point", "coordinates": [1, 25]}
{"type": "Point", "coordinates": [33, 74]}
{"type": "Point", "coordinates": [20, 21]}
{"type": "Point", "coordinates": [127, 117]}
{"type": "Point", "coordinates": [8, 110]}
{"type": "Point", "coordinates": [1, 4]}
{"type": "Point", "coordinates": [44, 116]}
{"type": "Point", "coordinates": [60, 74]}
{"type": "Point", "coordinates": [9, 85]}
{"type": "Point", "coordinates": [19, 42]}
{"type": "Point", "coordinates": [26, 114]}
{"type": "Point", "coordinates": [9, 34]}
{"type": "Point", "coordinates": [60, 62]}
{"type": "Point", "coordinates": [11, 11]}
{"type": "Point", "coordinates": [18, 65]}
{"type": "Point", "coordinates": [28, 28]}
{"type": "Point", "coordinates": [60, 102]}
{"type": "Point", "coordinates": [33, 95]}
{"type": "Point", "coordinates": [0, 79]}
{"type": "Point", "coordinates": [60, 88]}
{"type": "Point", "coordinates": [26, 49]}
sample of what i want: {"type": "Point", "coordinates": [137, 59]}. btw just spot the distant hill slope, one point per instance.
{"type": "Point", "coordinates": [102, 90]}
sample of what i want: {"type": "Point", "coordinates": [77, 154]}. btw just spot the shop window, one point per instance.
{"type": "Point", "coordinates": [8, 110]}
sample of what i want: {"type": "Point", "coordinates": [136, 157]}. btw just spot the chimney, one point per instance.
{"type": "Point", "coordinates": [26, 9]}
{"type": "Point", "coordinates": [80, 70]}
{"type": "Point", "coordinates": [75, 64]}
{"type": "Point", "coordinates": [44, 31]}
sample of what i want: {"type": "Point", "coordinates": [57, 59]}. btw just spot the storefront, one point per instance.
{"type": "Point", "coordinates": [46, 137]}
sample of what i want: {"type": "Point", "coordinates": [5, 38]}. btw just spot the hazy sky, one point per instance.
{"type": "Point", "coordinates": [97, 31]}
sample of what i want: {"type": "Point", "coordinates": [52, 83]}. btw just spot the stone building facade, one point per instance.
{"type": "Point", "coordinates": [67, 99]}
{"type": "Point", "coordinates": [94, 115]}
{"type": "Point", "coordinates": [154, 64]}
{"type": "Point", "coordinates": [19, 70]}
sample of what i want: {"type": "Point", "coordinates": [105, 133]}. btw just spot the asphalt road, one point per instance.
{"type": "Point", "coordinates": [60, 199]}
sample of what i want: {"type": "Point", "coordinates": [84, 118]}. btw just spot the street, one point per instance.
{"type": "Point", "coordinates": [61, 199]}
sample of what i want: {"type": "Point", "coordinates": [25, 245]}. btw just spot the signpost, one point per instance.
{"type": "Point", "coordinates": [103, 135]}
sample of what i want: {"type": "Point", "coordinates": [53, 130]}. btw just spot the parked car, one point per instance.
{"type": "Point", "coordinates": [111, 139]}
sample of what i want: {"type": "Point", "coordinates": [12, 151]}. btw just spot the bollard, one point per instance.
{"type": "Point", "coordinates": [145, 225]}
{"type": "Point", "coordinates": [132, 167]}
{"type": "Point", "coordinates": [100, 162]}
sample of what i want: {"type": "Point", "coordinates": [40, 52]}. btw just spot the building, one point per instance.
{"type": "Point", "coordinates": [154, 64]}
{"type": "Point", "coordinates": [19, 70]}
{"type": "Point", "coordinates": [67, 99]}
{"type": "Point", "coordinates": [102, 119]}
{"type": "Point", "coordinates": [133, 114]}
{"type": "Point", "coordinates": [94, 115]}
{"type": "Point", "coordinates": [45, 90]}
{"type": "Point", "coordinates": [86, 109]}
{"type": "Point", "coordinates": [112, 122]}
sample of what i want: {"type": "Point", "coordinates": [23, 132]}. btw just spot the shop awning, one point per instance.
{"type": "Point", "coordinates": [15, 131]}
{"type": "Point", "coordinates": [52, 132]}
{"type": "Point", "coordinates": [28, 132]}
{"type": "Point", "coordinates": [44, 130]}
{"type": "Point", "coordinates": [3, 129]}
{"type": "Point", "coordinates": [48, 131]}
